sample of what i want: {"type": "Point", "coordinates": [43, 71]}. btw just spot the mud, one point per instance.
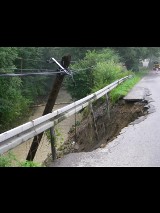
{"type": "Point", "coordinates": [108, 126]}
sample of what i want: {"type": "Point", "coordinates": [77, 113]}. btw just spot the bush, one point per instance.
{"type": "Point", "coordinates": [107, 72]}
{"type": "Point", "coordinates": [96, 70]}
{"type": "Point", "coordinates": [7, 160]}
{"type": "Point", "coordinates": [12, 103]}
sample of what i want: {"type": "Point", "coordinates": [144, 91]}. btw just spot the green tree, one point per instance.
{"type": "Point", "coordinates": [131, 56]}
{"type": "Point", "coordinates": [12, 103]}
{"type": "Point", "coordinates": [96, 70]}
{"type": "Point", "coordinates": [32, 58]}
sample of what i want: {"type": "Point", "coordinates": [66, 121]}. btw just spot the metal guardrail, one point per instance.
{"type": "Point", "coordinates": [20, 134]}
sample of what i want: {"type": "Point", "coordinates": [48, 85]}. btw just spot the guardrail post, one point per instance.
{"type": "Point", "coordinates": [50, 104]}
{"type": "Point", "coordinates": [53, 149]}
{"type": "Point", "coordinates": [107, 104]}
{"type": "Point", "coordinates": [94, 121]}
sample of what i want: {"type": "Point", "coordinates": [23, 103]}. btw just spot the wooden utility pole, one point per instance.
{"type": "Point", "coordinates": [65, 62]}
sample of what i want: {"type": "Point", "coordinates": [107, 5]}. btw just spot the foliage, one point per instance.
{"type": "Point", "coordinates": [12, 103]}
{"type": "Point", "coordinates": [29, 164]}
{"type": "Point", "coordinates": [6, 161]}
{"type": "Point", "coordinates": [107, 72]}
{"type": "Point", "coordinates": [7, 57]}
{"type": "Point", "coordinates": [9, 160]}
{"type": "Point", "coordinates": [96, 70]}
{"type": "Point", "coordinates": [131, 56]}
{"type": "Point", "coordinates": [57, 52]}
{"type": "Point", "coordinates": [32, 58]}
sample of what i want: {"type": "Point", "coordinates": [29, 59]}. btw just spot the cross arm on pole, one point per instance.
{"type": "Point", "coordinates": [65, 62]}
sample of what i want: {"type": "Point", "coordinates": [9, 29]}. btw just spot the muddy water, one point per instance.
{"type": "Point", "coordinates": [44, 149]}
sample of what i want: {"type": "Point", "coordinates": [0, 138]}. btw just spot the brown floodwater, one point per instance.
{"type": "Point", "coordinates": [63, 127]}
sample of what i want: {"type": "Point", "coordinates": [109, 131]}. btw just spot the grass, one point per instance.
{"type": "Point", "coordinates": [6, 161]}
{"type": "Point", "coordinates": [123, 89]}
{"type": "Point", "coordinates": [10, 160]}
{"type": "Point", "coordinates": [29, 164]}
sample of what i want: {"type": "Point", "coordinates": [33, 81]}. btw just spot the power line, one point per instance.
{"type": "Point", "coordinates": [28, 74]}
{"type": "Point", "coordinates": [41, 70]}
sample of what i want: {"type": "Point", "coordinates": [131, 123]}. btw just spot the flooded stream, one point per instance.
{"type": "Point", "coordinates": [63, 127]}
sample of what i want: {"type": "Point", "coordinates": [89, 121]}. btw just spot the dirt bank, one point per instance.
{"type": "Point", "coordinates": [108, 127]}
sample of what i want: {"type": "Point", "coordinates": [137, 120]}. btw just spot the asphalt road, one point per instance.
{"type": "Point", "coordinates": [138, 145]}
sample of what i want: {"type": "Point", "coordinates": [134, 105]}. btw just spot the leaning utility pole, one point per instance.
{"type": "Point", "coordinates": [65, 62]}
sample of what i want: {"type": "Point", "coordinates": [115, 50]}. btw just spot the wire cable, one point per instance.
{"type": "Point", "coordinates": [28, 74]}
{"type": "Point", "coordinates": [43, 70]}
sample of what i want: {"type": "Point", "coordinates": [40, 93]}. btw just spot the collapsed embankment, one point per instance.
{"type": "Point", "coordinates": [83, 137]}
